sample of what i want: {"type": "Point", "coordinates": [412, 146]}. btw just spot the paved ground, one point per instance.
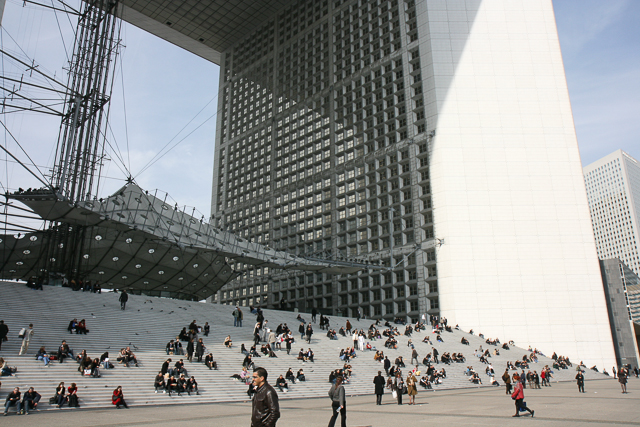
{"type": "Point", "coordinates": [561, 405]}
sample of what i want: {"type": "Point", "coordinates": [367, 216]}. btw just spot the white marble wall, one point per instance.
{"type": "Point", "coordinates": [519, 259]}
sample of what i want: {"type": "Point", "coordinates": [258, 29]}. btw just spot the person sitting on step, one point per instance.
{"type": "Point", "coordinates": [64, 351]}
{"type": "Point", "coordinates": [160, 383]}
{"type": "Point", "coordinates": [179, 368]}
{"type": "Point", "coordinates": [118, 398]}
{"type": "Point", "coordinates": [209, 362]}
{"type": "Point", "coordinates": [72, 393]}
{"type": "Point", "coordinates": [281, 383]}
{"type": "Point", "coordinates": [81, 327]}
{"type": "Point", "coordinates": [172, 385]}
{"type": "Point", "coordinates": [289, 375]}
{"type": "Point", "coordinates": [300, 375]}
{"type": "Point", "coordinates": [192, 385]}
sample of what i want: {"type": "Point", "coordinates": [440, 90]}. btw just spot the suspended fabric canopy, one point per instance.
{"type": "Point", "coordinates": [135, 240]}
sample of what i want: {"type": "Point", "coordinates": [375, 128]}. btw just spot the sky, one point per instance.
{"type": "Point", "coordinates": [163, 95]}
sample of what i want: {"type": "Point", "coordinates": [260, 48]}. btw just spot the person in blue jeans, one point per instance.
{"type": "Point", "coordinates": [30, 400]}
{"type": "Point", "coordinates": [42, 355]}
{"type": "Point", "coordinates": [13, 398]}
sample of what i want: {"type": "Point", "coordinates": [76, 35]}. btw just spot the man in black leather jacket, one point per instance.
{"type": "Point", "coordinates": [265, 411]}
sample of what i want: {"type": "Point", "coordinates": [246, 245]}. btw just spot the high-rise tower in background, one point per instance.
{"type": "Point", "coordinates": [613, 190]}
{"type": "Point", "coordinates": [433, 137]}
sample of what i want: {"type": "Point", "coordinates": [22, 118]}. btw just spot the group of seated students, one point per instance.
{"type": "Point", "coordinates": [88, 366]}
{"type": "Point", "coordinates": [391, 342]}
{"type": "Point", "coordinates": [177, 369]}
{"type": "Point", "coordinates": [63, 352]}
{"type": "Point", "coordinates": [168, 383]}
{"type": "Point", "coordinates": [449, 358]}
{"type": "Point", "coordinates": [29, 401]}
{"type": "Point", "coordinates": [174, 347]}
{"type": "Point", "coordinates": [126, 356]}
{"type": "Point", "coordinates": [282, 381]}
{"type": "Point", "coordinates": [560, 362]}
{"type": "Point", "coordinates": [379, 356]}
{"type": "Point", "coordinates": [344, 373]}
{"type": "Point", "coordinates": [432, 376]}
{"type": "Point", "coordinates": [408, 330]}
{"type": "Point", "coordinates": [347, 354]}
{"type": "Point", "coordinates": [305, 356]}
{"type": "Point", "coordinates": [495, 342]}
{"type": "Point", "coordinates": [77, 327]}
{"type": "Point", "coordinates": [399, 362]}
{"type": "Point", "coordinates": [331, 334]}
{"type": "Point", "coordinates": [65, 395]}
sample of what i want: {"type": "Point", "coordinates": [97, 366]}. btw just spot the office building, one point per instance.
{"type": "Point", "coordinates": [613, 190]}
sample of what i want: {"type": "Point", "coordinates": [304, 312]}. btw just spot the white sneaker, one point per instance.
{"type": "Point", "coordinates": [156, 391]}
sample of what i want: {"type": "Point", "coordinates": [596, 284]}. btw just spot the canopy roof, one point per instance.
{"type": "Point", "coordinates": [135, 240]}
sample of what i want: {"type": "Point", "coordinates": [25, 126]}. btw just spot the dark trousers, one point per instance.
{"type": "Point", "coordinates": [335, 409]}
{"type": "Point", "coordinates": [520, 405]}
{"type": "Point", "coordinates": [581, 387]}
{"type": "Point", "coordinates": [378, 399]}
{"type": "Point", "coordinates": [122, 305]}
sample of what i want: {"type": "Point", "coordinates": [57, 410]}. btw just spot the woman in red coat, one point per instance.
{"type": "Point", "coordinates": [518, 396]}
{"type": "Point", "coordinates": [118, 398]}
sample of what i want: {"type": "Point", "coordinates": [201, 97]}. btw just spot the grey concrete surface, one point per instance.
{"type": "Point", "coordinates": [559, 405]}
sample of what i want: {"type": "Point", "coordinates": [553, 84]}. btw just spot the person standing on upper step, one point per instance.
{"type": "Point", "coordinates": [26, 339]}
{"type": "Point", "coordinates": [124, 297]}
{"type": "Point", "coordinates": [348, 327]}
{"type": "Point", "coordinates": [314, 313]}
{"type": "Point", "coordinates": [4, 331]}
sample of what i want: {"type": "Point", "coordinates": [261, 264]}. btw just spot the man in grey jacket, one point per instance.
{"type": "Point", "coordinates": [338, 403]}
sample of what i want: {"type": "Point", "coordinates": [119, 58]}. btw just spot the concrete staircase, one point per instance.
{"type": "Point", "coordinates": [149, 323]}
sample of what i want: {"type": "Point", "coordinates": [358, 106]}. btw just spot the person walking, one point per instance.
{"type": "Point", "coordinates": [518, 396]}
{"type": "Point", "coordinates": [412, 390]}
{"type": "Point", "coordinates": [414, 356]}
{"type": "Point", "coordinates": [387, 364]}
{"type": "Point", "coordinates": [338, 403]}
{"type": "Point", "coordinates": [124, 297]}
{"type": "Point", "coordinates": [26, 340]}
{"type": "Point", "coordinates": [379, 387]}
{"type": "Point", "coordinates": [507, 380]}
{"type": "Point", "coordinates": [314, 313]}
{"type": "Point", "coordinates": [580, 381]}
{"type": "Point", "coordinates": [398, 387]}
{"type": "Point", "coordinates": [265, 409]}
{"type": "Point", "coordinates": [622, 379]}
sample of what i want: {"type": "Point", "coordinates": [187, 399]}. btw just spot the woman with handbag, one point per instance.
{"type": "Point", "coordinates": [412, 390]}
{"type": "Point", "coordinates": [518, 396]}
{"type": "Point", "coordinates": [398, 387]}
{"type": "Point", "coordinates": [60, 395]}
{"type": "Point", "coordinates": [338, 403]}
{"type": "Point", "coordinates": [73, 396]}
{"type": "Point", "coordinates": [118, 398]}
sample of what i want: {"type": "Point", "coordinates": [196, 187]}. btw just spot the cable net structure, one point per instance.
{"type": "Point", "coordinates": [82, 134]}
